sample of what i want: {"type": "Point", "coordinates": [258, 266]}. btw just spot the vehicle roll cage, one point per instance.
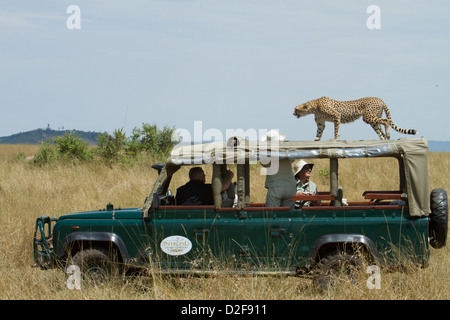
{"type": "Point", "coordinates": [411, 153]}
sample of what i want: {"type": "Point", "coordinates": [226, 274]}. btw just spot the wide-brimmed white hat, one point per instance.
{"type": "Point", "coordinates": [299, 166]}
{"type": "Point", "coordinates": [274, 135]}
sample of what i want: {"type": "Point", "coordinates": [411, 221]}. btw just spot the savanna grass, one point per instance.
{"type": "Point", "coordinates": [28, 191]}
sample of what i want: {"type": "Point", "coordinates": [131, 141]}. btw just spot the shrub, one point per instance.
{"type": "Point", "coordinates": [47, 154]}
{"type": "Point", "coordinates": [110, 146]}
{"type": "Point", "coordinates": [133, 145]}
{"type": "Point", "coordinates": [157, 142]}
{"type": "Point", "coordinates": [150, 139]}
{"type": "Point", "coordinates": [72, 146]}
{"type": "Point", "coordinates": [68, 147]}
{"type": "Point", "coordinates": [20, 157]}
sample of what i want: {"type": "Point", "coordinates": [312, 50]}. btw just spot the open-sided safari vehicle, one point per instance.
{"type": "Point", "coordinates": [252, 238]}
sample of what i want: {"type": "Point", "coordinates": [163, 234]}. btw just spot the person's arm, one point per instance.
{"type": "Point", "coordinates": [227, 182]}
{"type": "Point", "coordinates": [180, 197]}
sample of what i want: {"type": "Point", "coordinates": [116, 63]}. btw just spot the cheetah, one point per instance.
{"type": "Point", "coordinates": [371, 109]}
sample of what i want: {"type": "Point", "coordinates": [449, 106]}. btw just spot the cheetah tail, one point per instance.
{"type": "Point", "coordinates": [391, 123]}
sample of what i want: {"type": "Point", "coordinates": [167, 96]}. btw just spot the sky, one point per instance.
{"type": "Point", "coordinates": [219, 65]}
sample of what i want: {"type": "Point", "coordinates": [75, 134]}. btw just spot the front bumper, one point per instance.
{"type": "Point", "coordinates": [43, 253]}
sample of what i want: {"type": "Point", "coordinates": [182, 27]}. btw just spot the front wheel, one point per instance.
{"type": "Point", "coordinates": [95, 265]}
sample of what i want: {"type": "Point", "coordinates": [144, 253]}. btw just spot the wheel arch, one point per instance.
{"type": "Point", "coordinates": [330, 242]}
{"type": "Point", "coordinates": [74, 242]}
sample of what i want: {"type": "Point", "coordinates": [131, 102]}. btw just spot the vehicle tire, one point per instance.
{"type": "Point", "coordinates": [336, 267]}
{"type": "Point", "coordinates": [438, 219]}
{"type": "Point", "coordinates": [95, 265]}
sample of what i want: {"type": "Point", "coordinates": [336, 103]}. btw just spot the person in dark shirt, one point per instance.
{"type": "Point", "coordinates": [196, 191]}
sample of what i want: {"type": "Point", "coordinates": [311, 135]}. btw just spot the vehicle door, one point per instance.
{"type": "Point", "coordinates": [267, 241]}
{"type": "Point", "coordinates": [225, 239]}
{"type": "Point", "coordinates": [178, 236]}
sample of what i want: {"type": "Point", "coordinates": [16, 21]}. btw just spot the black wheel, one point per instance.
{"type": "Point", "coordinates": [337, 267]}
{"type": "Point", "coordinates": [438, 224]}
{"type": "Point", "coordinates": [95, 265]}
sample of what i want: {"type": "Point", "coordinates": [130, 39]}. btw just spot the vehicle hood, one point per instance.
{"type": "Point", "coordinates": [129, 213]}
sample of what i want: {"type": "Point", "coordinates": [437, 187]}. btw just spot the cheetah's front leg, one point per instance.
{"type": "Point", "coordinates": [320, 129]}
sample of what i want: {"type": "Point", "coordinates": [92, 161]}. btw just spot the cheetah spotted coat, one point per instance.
{"type": "Point", "coordinates": [371, 109]}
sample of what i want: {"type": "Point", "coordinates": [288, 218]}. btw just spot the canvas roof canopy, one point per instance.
{"type": "Point", "coordinates": [412, 154]}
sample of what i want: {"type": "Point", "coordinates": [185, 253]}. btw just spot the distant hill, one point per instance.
{"type": "Point", "coordinates": [39, 135]}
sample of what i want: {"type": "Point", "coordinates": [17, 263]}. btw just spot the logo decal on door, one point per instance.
{"type": "Point", "coordinates": [176, 245]}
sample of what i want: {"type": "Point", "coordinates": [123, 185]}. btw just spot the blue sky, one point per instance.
{"type": "Point", "coordinates": [232, 64]}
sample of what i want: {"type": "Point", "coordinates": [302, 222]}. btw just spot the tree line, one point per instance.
{"type": "Point", "coordinates": [110, 148]}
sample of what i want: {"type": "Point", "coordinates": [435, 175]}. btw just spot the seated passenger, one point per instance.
{"type": "Point", "coordinates": [229, 197]}
{"type": "Point", "coordinates": [304, 185]}
{"type": "Point", "coordinates": [196, 191]}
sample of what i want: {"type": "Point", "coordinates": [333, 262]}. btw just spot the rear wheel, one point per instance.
{"type": "Point", "coordinates": [337, 267]}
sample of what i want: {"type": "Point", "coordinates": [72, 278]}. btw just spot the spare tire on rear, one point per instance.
{"type": "Point", "coordinates": [438, 224]}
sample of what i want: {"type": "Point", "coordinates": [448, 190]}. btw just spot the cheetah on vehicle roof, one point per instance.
{"type": "Point", "coordinates": [371, 109]}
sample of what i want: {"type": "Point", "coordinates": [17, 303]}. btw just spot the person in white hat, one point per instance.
{"type": "Point", "coordinates": [304, 185]}
{"type": "Point", "coordinates": [281, 184]}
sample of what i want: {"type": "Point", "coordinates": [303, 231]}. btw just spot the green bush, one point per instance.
{"type": "Point", "coordinates": [150, 139]}
{"type": "Point", "coordinates": [47, 154]}
{"type": "Point", "coordinates": [19, 157]}
{"type": "Point", "coordinates": [72, 147]}
{"type": "Point", "coordinates": [133, 146]}
{"type": "Point", "coordinates": [110, 146]}
{"type": "Point", "coordinates": [157, 142]}
{"type": "Point", "coordinates": [69, 147]}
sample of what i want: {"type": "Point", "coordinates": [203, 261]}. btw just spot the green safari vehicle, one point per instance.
{"type": "Point", "coordinates": [250, 237]}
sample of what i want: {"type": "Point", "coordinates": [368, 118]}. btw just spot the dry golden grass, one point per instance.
{"type": "Point", "coordinates": [27, 192]}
